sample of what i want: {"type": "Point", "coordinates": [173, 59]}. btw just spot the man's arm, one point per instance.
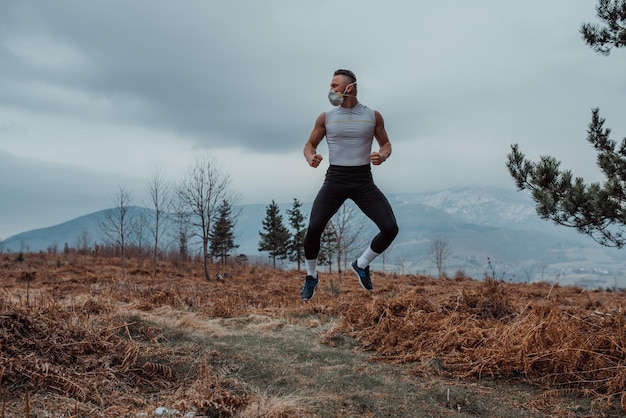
{"type": "Point", "coordinates": [382, 138]}
{"type": "Point", "coordinates": [318, 133]}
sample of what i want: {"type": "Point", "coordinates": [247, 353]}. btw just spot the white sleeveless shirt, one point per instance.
{"type": "Point", "coordinates": [349, 134]}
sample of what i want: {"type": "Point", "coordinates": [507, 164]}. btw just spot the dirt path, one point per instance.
{"type": "Point", "coordinates": [290, 372]}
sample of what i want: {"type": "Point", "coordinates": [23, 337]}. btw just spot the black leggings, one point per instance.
{"type": "Point", "coordinates": [354, 183]}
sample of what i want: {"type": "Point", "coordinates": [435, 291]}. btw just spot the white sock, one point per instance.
{"type": "Point", "coordinates": [367, 257]}
{"type": "Point", "coordinates": [311, 266]}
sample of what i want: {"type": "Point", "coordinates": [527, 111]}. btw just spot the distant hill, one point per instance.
{"type": "Point", "coordinates": [488, 230]}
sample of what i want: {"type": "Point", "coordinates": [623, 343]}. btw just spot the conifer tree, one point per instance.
{"type": "Point", "coordinates": [328, 246]}
{"type": "Point", "coordinates": [596, 209]}
{"type": "Point", "coordinates": [296, 221]}
{"type": "Point", "coordinates": [222, 234]}
{"type": "Point", "coordinates": [613, 34]}
{"type": "Point", "coordinates": [275, 239]}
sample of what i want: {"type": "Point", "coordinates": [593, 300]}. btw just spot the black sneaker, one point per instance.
{"type": "Point", "coordinates": [364, 276]}
{"type": "Point", "coordinates": [308, 289]}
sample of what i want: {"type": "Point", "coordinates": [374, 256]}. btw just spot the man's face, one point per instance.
{"type": "Point", "coordinates": [339, 83]}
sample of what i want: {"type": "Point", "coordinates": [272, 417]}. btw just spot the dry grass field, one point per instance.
{"type": "Point", "coordinates": [78, 339]}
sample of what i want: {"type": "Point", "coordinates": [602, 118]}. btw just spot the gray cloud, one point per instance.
{"type": "Point", "coordinates": [457, 82]}
{"type": "Point", "coordinates": [39, 194]}
{"type": "Point", "coordinates": [206, 70]}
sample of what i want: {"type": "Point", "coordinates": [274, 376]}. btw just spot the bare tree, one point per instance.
{"type": "Point", "coordinates": [161, 196]}
{"type": "Point", "coordinates": [347, 228]}
{"type": "Point", "coordinates": [401, 263]}
{"type": "Point", "coordinates": [180, 234]}
{"type": "Point", "coordinates": [83, 241]}
{"type": "Point", "coordinates": [139, 232]}
{"type": "Point", "coordinates": [440, 251]}
{"type": "Point", "coordinates": [201, 192]}
{"type": "Point", "coordinates": [118, 224]}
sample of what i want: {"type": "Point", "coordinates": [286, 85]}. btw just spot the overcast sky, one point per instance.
{"type": "Point", "coordinates": [94, 95]}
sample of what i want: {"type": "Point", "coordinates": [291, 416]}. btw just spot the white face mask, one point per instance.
{"type": "Point", "coordinates": [335, 98]}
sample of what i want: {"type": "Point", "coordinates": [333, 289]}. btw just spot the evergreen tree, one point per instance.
{"type": "Point", "coordinates": [183, 246]}
{"type": "Point", "coordinates": [613, 34]}
{"type": "Point", "coordinates": [328, 246]}
{"type": "Point", "coordinates": [276, 237]}
{"type": "Point", "coordinates": [296, 221]}
{"type": "Point", "coordinates": [222, 234]}
{"type": "Point", "coordinates": [596, 209]}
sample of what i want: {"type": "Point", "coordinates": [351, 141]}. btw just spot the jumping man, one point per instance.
{"type": "Point", "coordinates": [350, 129]}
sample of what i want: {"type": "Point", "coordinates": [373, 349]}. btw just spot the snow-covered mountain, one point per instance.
{"type": "Point", "coordinates": [486, 206]}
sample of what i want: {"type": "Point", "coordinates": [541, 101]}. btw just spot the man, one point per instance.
{"type": "Point", "coordinates": [350, 129]}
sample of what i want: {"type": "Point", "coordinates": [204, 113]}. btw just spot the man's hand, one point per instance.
{"type": "Point", "coordinates": [314, 160]}
{"type": "Point", "coordinates": [377, 158]}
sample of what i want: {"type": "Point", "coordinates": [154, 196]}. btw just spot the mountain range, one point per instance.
{"type": "Point", "coordinates": [487, 231]}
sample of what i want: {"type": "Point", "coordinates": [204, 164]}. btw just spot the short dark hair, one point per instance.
{"type": "Point", "coordinates": [347, 73]}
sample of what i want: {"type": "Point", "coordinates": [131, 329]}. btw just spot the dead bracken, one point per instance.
{"type": "Point", "coordinates": [84, 341]}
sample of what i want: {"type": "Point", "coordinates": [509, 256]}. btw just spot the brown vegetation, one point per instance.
{"type": "Point", "coordinates": [78, 339]}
